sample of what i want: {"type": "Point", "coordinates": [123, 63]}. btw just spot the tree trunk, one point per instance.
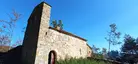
{"type": "Point", "coordinates": [109, 48]}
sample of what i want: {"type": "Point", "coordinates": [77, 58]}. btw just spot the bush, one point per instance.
{"type": "Point", "coordinates": [98, 56]}
{"type": "Point", "coordinates": [80, 61]}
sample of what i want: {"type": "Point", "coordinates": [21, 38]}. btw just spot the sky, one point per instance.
{"type": "Point", "coordinates": [89, 19]}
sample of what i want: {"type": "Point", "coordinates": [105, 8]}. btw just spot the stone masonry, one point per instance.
{"type": "Point", "coordinates": [40, 39]}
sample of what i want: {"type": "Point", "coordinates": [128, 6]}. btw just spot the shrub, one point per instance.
{"type": "Point", "coordinates": [80, 61]}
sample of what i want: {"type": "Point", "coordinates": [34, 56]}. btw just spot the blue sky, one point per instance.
{"type": "Point", "coordinates": [89, 19]}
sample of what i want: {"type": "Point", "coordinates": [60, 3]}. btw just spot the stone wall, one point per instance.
{"type": "Point", "coordinates": [65, 46]}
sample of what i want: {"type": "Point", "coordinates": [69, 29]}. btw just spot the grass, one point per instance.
{"type": "Point", "coordinates": [80, 61]}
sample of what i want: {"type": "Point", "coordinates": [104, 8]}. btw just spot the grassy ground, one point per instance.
{"type": "Point", "coordinates": [80, 61]}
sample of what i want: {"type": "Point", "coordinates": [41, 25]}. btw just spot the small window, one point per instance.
{"type": "Point", "coordinates": [45, 33]}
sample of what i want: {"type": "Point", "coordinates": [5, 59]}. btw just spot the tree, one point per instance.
{"type": "Point", "coordinates": [95, 49]}
{"type": "Point", "coordinates": [130, 49]}
{"type": "Point", "coordinates": [104, 53]}
{"type": "Point", "coordinates": [7, 28]}
{"type": "Point", "coordinates": [60, 24]}
{"type": "Point", "coordinates": [57, 24]}
{"type": "Point", "coordinates": [137, 40]}
{"type": "Point", "coordinates": [113, 54]}
{"type": "Point", "coordinates": [104, 50]}
{"type": "Point", "coordinates": [130, 46]}
{"type": "Point", "coordinates": [97, 54]}
{"type": "Point", "coordinates": [113, 36]}
{"type": "Point", "coordinates": [4, 40]}
{"type": "Point", "coordinates": [54, 23]}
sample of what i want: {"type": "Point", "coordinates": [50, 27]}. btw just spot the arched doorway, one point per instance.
{"type": "Point", "coordinates": [52, 57]}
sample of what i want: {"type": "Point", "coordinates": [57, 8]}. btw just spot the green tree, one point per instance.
{"type": "Point", "coordinates": [104, 50]}
{"type": "Point", "coordinates": [130, 45]}
{"type": "Point", "coordinates": [130, 49]}
{"type": "Point", "coordinates": [113, 36]}
{"type": "Point", "coordinates": [97, 53]}
{"type": "Point", "coordinates": [113, 54]}
{"type": "Point", "coordinates": [56, 24]}
{"type": "Point", "coordinates": [60, 24]}
{"type": "Point", "coordinates": [104, 53]}
{"type": "Point", "coordinates": [95, 49]}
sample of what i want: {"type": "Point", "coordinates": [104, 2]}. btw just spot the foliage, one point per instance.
{"type": "Point", "coordinates": [130, 45]}
{"type": "Point", "coordinates": [95, 49]}
{"type": "Point", "coordinates": [113, 55]}
{"type": "Point", "coordinates": [130, 49]}
{"type": "Point", "coordinates": [96, 53]}
{"type": "Point", "coordinates": [113, 35]}
{"type": "Point", "coordinates": [7, 28]}
{"type": "Point", "coordinates": [57, 24]}
{"type": "Point", "coordinates": [98, 56]}
{"type": "Point", "coordinates": [4, 39]}
{"type": "Point", "coordinates": [80, 61]}
{"type": "Point", "coordinates": [104, 53]}
{"type": "Point", "coordinates": [54, 23]}
{"type": "Point", "coordinates": [104, 50]}
{"type": "Point", "coordinates": [60, 24]}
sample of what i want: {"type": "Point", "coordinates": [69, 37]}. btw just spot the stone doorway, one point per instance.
{"type": "Point", "coordinates": [52, 57]}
